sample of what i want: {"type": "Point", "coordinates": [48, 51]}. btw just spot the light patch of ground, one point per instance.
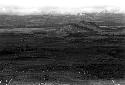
{"type": "Point", "coordinates": [20, 30]}
{"type": "Point", "coordinates": [82, 82]}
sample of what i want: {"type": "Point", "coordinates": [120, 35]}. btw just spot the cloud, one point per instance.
{"type": "Point", "coordinates": [56, 6]}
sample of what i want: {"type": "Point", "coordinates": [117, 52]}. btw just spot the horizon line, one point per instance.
{"type": "Point", "coordinates": [58, 10]}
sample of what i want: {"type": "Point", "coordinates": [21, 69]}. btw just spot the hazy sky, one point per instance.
{"type": "Point", "coordinates": [30, 6]}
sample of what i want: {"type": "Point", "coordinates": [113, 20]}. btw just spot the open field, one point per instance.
{"type": "Point", "coordinates": [80, 48]}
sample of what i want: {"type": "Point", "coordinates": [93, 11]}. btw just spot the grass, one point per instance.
{"type": "Point", "coordinates": [59, 45]}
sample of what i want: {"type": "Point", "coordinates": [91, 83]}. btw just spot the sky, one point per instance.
{"type": "Point", "coordinates": [62, 6]}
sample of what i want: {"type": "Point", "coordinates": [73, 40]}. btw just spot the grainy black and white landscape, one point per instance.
{"type": "Point", "coordinates": [62, 49]}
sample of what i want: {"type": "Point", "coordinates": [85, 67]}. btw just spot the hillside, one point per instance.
{"type": "Point", "coordinates": [63, 43]}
